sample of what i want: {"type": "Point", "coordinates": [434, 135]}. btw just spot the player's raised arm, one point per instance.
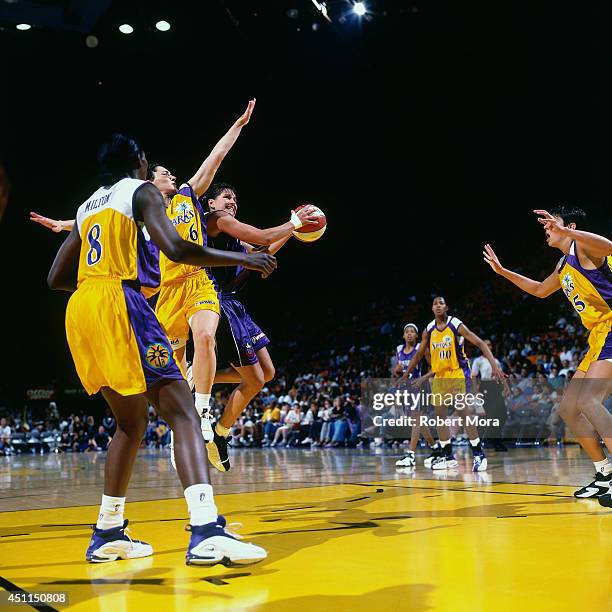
{"type": "Point", "coordinates": [203, 178]}
{"type": "Point", "coordinates": [55, 225]}
{"type": "Point", "coordinates": [220, 221]}
{"type": "Point", "coordinates": [593, 245]}
{"type": "Point", "coordinates": [149, 207]}
{"type": "Point", "coordinates": [540, 289]}
{"type": "Point", "coordinates": [417, 356]}
{"type": "Point", "coordinates": [63, 272]}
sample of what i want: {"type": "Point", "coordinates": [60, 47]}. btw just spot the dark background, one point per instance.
{"type": "Point", "coordinates": [423, 131]}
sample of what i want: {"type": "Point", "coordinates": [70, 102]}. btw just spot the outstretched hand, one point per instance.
{"type": "Point", "coordinates": [549, 222]}
{"type": "Point", "coordinates": [244, 118]}
{"type": "Point", "coordinates": [491, 258]}
{"type": "Point", "coordinates": [52, 224]}
{"type": "Point", "coordinates": [261, 262]}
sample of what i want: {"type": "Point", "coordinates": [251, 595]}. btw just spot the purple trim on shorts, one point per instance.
{"type": "Point", "coordinates": [156, 355]}
{"type": "Point", "coordinates": [247, 334]}
{"type": "Point", "coordinates": [606, 350]}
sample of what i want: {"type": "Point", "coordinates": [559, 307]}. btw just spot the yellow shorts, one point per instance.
{"type": "Point", "coordinates": [115, 339]}
{"type": "Point", "coordinates": [449, 382]}
{"type": "Point", "coordinates": [179, 300]}
{"type": "Point", "coordinates": [600, 345]}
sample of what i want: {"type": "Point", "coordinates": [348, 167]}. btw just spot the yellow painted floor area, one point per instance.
{"type": "Point", "coordinates": [400, 544]}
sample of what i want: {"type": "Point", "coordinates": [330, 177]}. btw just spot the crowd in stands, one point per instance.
{"type": "Point", "coordinates": [314, 401]}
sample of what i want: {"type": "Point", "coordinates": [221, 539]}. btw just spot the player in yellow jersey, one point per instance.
{"type": "Point", "coordinates": [585, 276]}
{"type": "Point", "coordinates": [444, 339]}
{"type": "Point", "coordinates": [187, 296]}
{"type": "Point", "coordinates": [119, 347]}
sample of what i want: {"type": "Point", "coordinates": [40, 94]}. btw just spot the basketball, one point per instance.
{"type": "Point", "coordinates": [309, 232]}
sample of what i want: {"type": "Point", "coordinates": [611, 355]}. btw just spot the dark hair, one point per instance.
{"type": "Point", "coordinates": [438, 297]}
{"type": "Point", "coordinates": [569, 214]}
{"type": "Point", "coordinates": [151, 169]}
{"type": "Point", "coordinates": [216, 189]}
{"type": "Point", "coordinates": [117, 157]}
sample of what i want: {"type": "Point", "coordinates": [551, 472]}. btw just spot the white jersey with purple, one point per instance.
{"type": "Point", "coordinates": [238, 336]}
{"type": "Point", "coordinates": [402, 358]}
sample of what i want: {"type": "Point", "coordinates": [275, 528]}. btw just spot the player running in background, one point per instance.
{"type": "Point", "coordinates": [119, 347]}
{"type": "Point", "coordinates": [403, 355]}
{"type": "Point", "coordinates": [584, 273]}
{"type": "Point", "coordinates": [444, 338]}
{"type": "Point", "coordinates": [242, 344]}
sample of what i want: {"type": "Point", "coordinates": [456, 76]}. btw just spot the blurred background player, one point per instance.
{"type": "Point", "coordinates": [403, 355]}
{"type": "Point", "coordinates": [585, 275]}
{"type": "Point", "coordinates": [444, 338]}
{"type": "Point", "coordinates": [242, 344]}
{"type": "Point", "coordinates": [494, 406]}
{"type": "Point", "coordinates": [124, 352]}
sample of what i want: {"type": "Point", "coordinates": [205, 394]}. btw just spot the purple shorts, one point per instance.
{"type": "Point", "coordinates": [238, 337]}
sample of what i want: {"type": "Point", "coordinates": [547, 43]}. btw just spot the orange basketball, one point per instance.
{"type": "Point", "coordinates": [309, 232]}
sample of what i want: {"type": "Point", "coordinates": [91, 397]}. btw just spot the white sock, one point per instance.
{"type": "Point", "coordinates": [603, 467]}
{"type": "Point", "coordinates": [444, 443]}
{"type": "Point", "coordinates": [201, 504]}
{"type": "Point", "coordinates": [202, 402]}
{"type": "Point", "coordinates": [111, 512]}
{"type": "Point", "coordinates": [475, 442]}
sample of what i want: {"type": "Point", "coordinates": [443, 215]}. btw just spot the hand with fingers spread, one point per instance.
{"type": "Point", "coordinates": [244, 118]}
{"type": "Point", "coordinates": [261, 262]}
{"type": "Point", "coordinates": [491, 258]}
{"type": "Point", "coordinates": [303, 216]}
{"type": "Point", "coordinates": [549, 222]}
{"type": "Point", "coordinates": [53, 224]}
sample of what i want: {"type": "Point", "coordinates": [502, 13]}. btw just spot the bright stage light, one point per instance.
{"type": "Point", "coordinates": [359, 8]}
{"type": "Point", "coordinates": [126, 28]}
{"type": "Point", "coordinates": [162, 26]}
{"type": "Point", "coordinates": [23, 26]}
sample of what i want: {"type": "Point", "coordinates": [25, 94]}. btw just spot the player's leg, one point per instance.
{"type": "Point", "coordinates": [479, 458]}
{"type": "Point", "coordinates": [203, 325]}
{"type": "Point", "coordinates": [209, 542]}
{"type": "Point", "coordinates": [227, 376]}
{"type": "Point", "coordinates": [109, 541]}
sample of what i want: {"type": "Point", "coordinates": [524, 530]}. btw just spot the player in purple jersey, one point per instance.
{"type": "Point", "coordinates": [241, 342]}
{"type": "Point", "coordinates": [403, 355]}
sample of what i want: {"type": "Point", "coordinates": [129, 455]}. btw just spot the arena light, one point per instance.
{"type": "Point", "coordinates": [126, 28]}
{"type": "Point", "coordinates": [163, 26]}
{"type": "Point", "coordinates": [23, 26]}
{"type": "Point", "coordinates": [359, 8]}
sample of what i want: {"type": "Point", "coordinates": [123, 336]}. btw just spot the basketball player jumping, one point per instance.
{"type": "Point", "coordinates": [585, 275]}
{"type": "Point", "coordinates": [242, 343]}
{"type": "Point", "coordinates": [124, 352]}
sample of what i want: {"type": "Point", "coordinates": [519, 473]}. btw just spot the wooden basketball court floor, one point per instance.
{"type": "Point", "coordinates": [344, 530]}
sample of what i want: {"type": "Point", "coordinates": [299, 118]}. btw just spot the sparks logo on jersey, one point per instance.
{"type": "Point", "coordinates": [185, 213]}
{"type": "Point", "coordinates": [158, 355]}
{"type": "Point", "coordinates": [249, 350]}
{"type": "Point", "coordinates": [568, 284]}
{"type": "Point", "coordinates": [447, 342]}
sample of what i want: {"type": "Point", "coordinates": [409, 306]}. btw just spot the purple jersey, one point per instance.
{"type": "Point", "coordinates": [402, 358]}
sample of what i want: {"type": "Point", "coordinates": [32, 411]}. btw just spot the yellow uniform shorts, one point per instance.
{"type": "Point", "coordinates": [600, 345]}
{"type": "Point", "coordinates": [449, 382]}
{"type": "Point", "coordinates": [179, 300]}
{"type": "Point", "coordinates": [115, 339]}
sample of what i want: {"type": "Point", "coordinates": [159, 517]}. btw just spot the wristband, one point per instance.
{"type": "Point", "coordinates": [295, 220]}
